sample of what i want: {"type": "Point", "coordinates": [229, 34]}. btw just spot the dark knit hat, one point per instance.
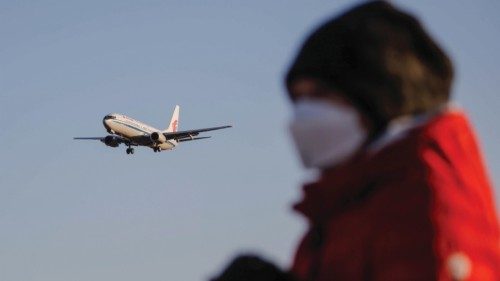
{"type": "Point", "coordinates": [381, 59]}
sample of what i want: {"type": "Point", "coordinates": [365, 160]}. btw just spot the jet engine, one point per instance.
{"type": "Point", "coordinates": [111, 141]}
{"type": "Point", "coordinates": [157, 137]}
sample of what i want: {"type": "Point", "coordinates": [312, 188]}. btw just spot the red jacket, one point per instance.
{"type": "Point", "coordinates": [420, 209]}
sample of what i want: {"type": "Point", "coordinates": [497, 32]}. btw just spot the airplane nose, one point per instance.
{"type": "Point", "coordinates": [105, 123]}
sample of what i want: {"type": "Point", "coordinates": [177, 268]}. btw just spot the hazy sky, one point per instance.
{"type": "Point", "coordinates": [83, 211]}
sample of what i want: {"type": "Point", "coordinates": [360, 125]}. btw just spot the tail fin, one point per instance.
{"type": "Point", "coordinates": [174, 122]}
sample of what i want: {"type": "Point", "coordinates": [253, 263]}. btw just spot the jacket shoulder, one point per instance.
{"type": "Point", "coordinates": [461, 209]}
{"type": "Point", "coordinates": [436, 205]}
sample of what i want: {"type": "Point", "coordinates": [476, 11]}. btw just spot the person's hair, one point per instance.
{"type": "Point", "coordinates": [381, 59]}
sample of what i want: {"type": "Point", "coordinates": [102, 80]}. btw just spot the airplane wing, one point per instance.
{"type": "Point", "coordinates": [111, 139]}
{"type": "Point", "coordinates": [191, 139]}
{"type": "Point", "coordinates": [188, 135]}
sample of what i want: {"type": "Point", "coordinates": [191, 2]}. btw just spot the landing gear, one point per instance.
{"type": "Point", "coordinates": [130, 150]}
{"type": "Point", "coordinates": [156, 149]}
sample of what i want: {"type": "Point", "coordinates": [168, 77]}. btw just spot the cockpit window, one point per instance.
{"type": "Point", "coordinates": [109, 117]}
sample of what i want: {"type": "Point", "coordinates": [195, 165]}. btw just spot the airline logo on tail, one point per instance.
{"type": "Point", "coordinates": [174, 126]}
{"type": "Point", "coordinates": [174, 121]}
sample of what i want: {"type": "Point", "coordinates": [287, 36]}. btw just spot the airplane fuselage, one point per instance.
{"type": "Point", "coordinates": [132, 129]}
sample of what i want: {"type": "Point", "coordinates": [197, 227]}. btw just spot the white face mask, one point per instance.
{"type": "Point", "coordinates": [326, 133]}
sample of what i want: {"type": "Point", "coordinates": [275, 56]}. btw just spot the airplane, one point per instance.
{"type": "Point", "coordinates": [130, 132]}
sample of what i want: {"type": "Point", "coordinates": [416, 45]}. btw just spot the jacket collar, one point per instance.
{"type": "Point", "coordinates": [334, 191]}
{"type": "Point", "coordinates": [399, 127]}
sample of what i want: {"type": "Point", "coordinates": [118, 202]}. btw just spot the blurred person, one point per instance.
{"type": "Point", "coordinates": [403, 192]}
